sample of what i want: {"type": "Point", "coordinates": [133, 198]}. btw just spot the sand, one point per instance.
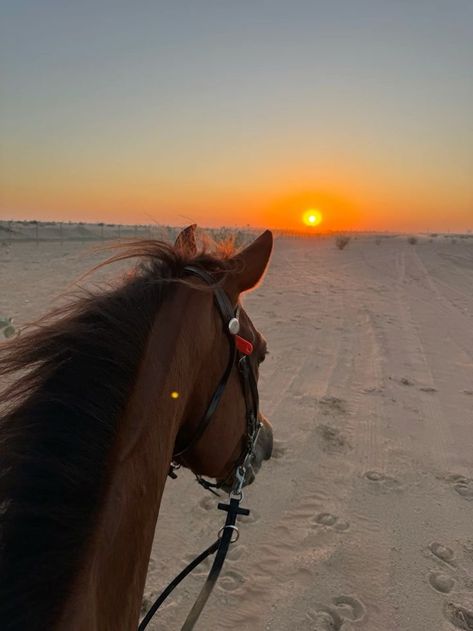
{"type": "Point", "coordinates": [363, 519]}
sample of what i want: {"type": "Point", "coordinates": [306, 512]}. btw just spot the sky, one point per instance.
{"type": "Point", "coordinates": [236, 113]}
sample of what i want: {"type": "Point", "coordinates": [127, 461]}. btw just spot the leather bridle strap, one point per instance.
{"type": "Point", "coordinates": [221, 546]}
{"type": "Point", "coordinates": [233, 510]}
{"type": "Point", "coordinates": [227, 314]}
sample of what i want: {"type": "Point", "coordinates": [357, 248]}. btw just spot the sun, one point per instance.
{"type": "Point", "coordinates": [312, 217]}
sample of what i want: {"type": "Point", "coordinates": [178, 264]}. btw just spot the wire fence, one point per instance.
{"type": "Point", "coordinates": [11, 231]}
{"type": "Point", "coordinates": [80, 231]}
{"type": "Point", "coordinates": [16, 231]}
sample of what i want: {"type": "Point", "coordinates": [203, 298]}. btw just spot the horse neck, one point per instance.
{"type": "Point", "coordinates": [108, 591]}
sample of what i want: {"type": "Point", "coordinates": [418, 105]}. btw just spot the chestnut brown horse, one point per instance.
{"type": "Point", "coordinates": [109, 388]}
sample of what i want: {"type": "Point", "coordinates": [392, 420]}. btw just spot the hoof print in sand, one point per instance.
{"type": "Point", "coordinates": [444, 583]}
{"type": "Point", "coordinates": [231, 581]}
{"type": "Point", "coordinates": [345, 609]}
{"type": "Point", "coordinates": [459, 615]}
{"type": "Point", "coordinates": [236, 552]}
{"type": "Point", "coordinates": [332, 404]}
{"type": "Point", "coordinates": [279, 450]}
{"type": "Point", "coordinates": [461, 485]}
{"type": "Point", "coordinates": [443, 553]}
{"type": "Point", "coordinates": [333, 441]}
{"type": "Point", "coordinates": [349, 607]}
{"type": "Point", "coordinates": [325, 619]}
{"type": "Point", "coordinates": [208, 503]}
{"type": "Point", "coordinates": [465, 489]}
{"type": "Point", "coordinates": [330, 521]}
{"type": "Point", "coordinates": [441, 582]}
{"type": "Point", "coordinates": [383, 481]}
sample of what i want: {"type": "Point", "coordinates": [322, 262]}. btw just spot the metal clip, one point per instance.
{"type": "Point", "coordinates": [239, 481]}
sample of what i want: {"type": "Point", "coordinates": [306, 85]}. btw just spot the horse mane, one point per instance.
{"type": "Point", "coordinates": [77, 368]}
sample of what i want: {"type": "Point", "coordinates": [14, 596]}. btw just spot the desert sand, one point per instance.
{"type": "Point", "coordinates": [363, 518]}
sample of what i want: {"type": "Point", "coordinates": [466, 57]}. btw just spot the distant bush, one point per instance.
{"type": "Point", "coordinates": [6, 327]}
{"type": "Point", "coordinates": [412, 240]}
{"type": "Point", "coordinates": [378, 241]}
{"type": "Point", "coordinates": [342, 241]}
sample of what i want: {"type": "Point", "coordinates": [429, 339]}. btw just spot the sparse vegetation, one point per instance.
{"type": "Point", "coordinates": [412, 240]}
{"type": "Point", "coordinates": [6, 327]}
{"type": "Point", "coordinates": [342, 241]}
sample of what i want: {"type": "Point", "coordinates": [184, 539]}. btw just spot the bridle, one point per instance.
{"type": "Point", "coordinates": [239, 352]}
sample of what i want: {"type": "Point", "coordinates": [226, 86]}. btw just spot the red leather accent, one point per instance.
{"type": "Point", "coordinates": [244, 346]}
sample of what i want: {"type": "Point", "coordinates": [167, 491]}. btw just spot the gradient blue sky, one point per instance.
{"type": "Point", "coordinates": [239, 112]}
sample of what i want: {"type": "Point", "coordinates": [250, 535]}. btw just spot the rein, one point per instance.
{"type": "Point", "coordinates": [239, 351]}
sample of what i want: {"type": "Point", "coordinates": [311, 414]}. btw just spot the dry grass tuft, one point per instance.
{"type": "Point", "coordinates": [342, 241]}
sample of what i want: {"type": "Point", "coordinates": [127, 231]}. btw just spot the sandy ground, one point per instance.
{"type": "Point", "coordinates": [363, 519]}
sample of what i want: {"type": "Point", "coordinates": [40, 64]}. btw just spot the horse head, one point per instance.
{"type": "Point", "coordinates": [218, 443]}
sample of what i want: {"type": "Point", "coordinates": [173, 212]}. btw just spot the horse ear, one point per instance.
{"type": "Point", "coordinates": [252, 262]}
{"type": "Point", "coordinates": [185, 240]}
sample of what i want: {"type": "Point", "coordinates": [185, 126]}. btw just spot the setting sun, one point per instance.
{"type": "Point", "coordinates": [312, 217]}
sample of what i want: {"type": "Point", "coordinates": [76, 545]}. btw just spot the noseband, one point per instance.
{"type": "Point", "coordinates": [239, 352]}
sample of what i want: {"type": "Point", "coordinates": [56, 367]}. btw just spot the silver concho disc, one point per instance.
{"type": "Point", "coordinates": [234, 326]}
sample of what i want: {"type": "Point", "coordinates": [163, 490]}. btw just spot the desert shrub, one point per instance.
{"type": "Point", "coordinates": [412, 240]}
{"type": "Point", "coordinates": [6, 327]}
{"type": "Point", "coordinates": [378, 241]}
{"type": "Point", "coordinates": [342, 241]}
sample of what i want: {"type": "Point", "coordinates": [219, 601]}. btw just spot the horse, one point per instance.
{"type": "Point", "coordinates": [110, 387]}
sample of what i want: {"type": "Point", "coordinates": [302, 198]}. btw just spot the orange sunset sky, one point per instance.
{"type": "Point", "coordinates": [239, 113]}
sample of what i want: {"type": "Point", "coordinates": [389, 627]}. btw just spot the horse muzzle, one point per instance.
{"type": "Point", "coordinates": [262, 451]}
